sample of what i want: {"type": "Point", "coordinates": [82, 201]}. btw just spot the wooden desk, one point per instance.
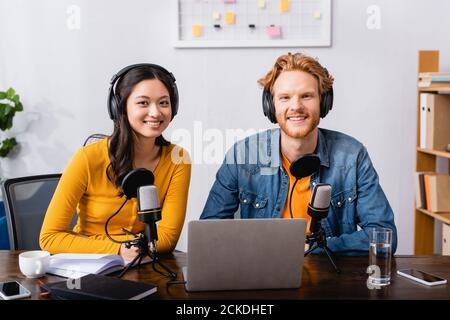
{"type": "Point", "coordinates": [319, 281]}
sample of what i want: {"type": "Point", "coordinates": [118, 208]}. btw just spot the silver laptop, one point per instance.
{"type": "Point", "coordinates": [244, 254]}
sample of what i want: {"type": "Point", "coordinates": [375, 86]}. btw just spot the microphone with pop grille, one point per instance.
{"type": "Point", "coordinates": [139, 183]}
{"type": "Point", "coordinates": [318, 205]}
{"type": "Point", "coordinates": [149, 210]}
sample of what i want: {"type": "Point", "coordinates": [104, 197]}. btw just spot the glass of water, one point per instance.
{"type": "Point", "coordinates": [380, 252]}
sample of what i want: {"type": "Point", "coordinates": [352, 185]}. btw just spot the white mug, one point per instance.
{"type": "Point", "coordinates": [34, 264]}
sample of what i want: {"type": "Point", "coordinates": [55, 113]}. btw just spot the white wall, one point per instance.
{"type": "Point", "coordinates": [63, 77]}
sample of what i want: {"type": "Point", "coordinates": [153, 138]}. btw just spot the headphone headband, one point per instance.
{"type": "Point", "coordinates": [114, 102]}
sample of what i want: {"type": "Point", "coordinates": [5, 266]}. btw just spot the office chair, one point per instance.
{"type": "Point", "coordinates": [26, 202]}
{"type": "Point", "coordinates": [93, 138]}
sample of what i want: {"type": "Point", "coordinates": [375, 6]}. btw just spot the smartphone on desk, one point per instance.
{"type": "Point", "coordinates": [422, 277]}
{"type": "Point", "coordinates": [13, 290]}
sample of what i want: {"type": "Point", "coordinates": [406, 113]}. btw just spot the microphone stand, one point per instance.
{"type": "Point", "coordinates": [317, 237]}
{"type": "Point", "coordinates": [302, 167]}
{"type": "Point", "coordinates": [147, 248]}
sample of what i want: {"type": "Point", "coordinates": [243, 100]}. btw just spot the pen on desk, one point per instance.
{"type": "Point", "coordinates": [42, 285]}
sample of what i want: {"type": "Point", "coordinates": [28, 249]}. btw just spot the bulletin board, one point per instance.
{"type": "Point", "coordinates": [253, 23]}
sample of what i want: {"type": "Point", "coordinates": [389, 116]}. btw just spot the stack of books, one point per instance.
{"type": "Point", "coordinates": [434, 79]}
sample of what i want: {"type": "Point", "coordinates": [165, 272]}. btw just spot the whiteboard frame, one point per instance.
{"type": "Point", "coordinates": [324, 42]}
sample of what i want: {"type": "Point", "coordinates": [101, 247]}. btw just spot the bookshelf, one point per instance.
{"type": "Point", "coordinates": [426, 161]}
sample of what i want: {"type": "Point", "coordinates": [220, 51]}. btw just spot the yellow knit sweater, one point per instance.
{"type": "Point", "coordinates": [85, 187]}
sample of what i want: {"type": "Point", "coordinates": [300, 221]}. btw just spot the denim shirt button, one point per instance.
{"type": "Point", "coordinates": [245, 201]}
{"type": "Point", "coordinates": [349, 199]}
{"type": "Point", "coordinates": [314, 184]}
{"type": "Point", "coordinates": [257, 205]}
{"type": "Point", "coordinates": [339, 204]}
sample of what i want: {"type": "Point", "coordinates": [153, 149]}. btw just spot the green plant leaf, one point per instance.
{"type": "Point", "coordinates": [7, 146]}
{"type": "Point", "coordinates": [3, 125]}
{"type": "Point", "coordinates": [19, 107]}
{"type": "Point", "coordinates": [10, 93]}
{"type": "Point", "coordinates": [11, 104]}
{"type": "Point", "coordinates": [2, 110]}
{"type": "Point", "coordinates": [9, 122]}
{"type": "Point", "coordinates": [8, 110]}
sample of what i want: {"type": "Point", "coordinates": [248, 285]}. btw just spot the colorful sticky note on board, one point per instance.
{"type": "Point", "coordinates": [273, 31]}
{"type": "Point", "coordinates": [230, 17]}
{"type": "Point", "coordinates": [229, 1]}
{"type": "Point", "coordinates": [261, 4]}
{"type": "Point", "coordinates": [196, 30]}
{"type": "Point", "coordinates": [216, 15]}
{"type": "Point", "coordinates": [284, 5]}
{"type": "Point", "coordinates": [317, 14]}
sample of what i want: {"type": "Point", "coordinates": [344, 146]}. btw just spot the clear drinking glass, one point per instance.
{"type": "Point", "coordinates": [380, 253]}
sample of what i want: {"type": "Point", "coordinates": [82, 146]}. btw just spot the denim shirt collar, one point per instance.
{"type": "Point", "coordinates": [321, 148]}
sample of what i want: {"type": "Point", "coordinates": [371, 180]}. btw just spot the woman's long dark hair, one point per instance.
{"type": "Point", "coordinates": [121, 142]}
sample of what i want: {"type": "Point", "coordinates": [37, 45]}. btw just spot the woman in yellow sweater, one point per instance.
{"type": "Point", "coordinates": [143, 99]}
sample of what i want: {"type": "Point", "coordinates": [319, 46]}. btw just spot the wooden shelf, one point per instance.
{"type": "Point", "coordinates": [438, 153]}
{"type": "Point", "coordinates": [444, 88]}
{"type": "Point", "coordinates": [426, 161]}
{"type": "Point", "coordinates": [442, 216]}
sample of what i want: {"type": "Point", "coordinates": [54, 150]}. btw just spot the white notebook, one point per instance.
{"type": "Point", "coordinates": [76, 265]}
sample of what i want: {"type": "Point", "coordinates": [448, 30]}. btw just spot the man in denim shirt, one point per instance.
{"type": "Point", "coordinates": [255, 177]}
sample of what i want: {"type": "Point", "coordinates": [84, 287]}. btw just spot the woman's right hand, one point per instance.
{"type": "Point", "coordinates": [128, 254]}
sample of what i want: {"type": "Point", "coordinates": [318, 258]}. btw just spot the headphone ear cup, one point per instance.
{"type": "Point", "coordinates": [175, 100]}
{"type": "Point", "coordinates": [326, 103]}
{"type": "Point", "coordinates": [268, 107]}
{"type": "Point", "coordinates": [112, 104]}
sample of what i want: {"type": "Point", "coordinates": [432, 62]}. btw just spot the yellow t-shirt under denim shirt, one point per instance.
{"type": "Point", "coordinates": [300, 196]}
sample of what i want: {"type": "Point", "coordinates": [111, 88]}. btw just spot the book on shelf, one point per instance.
{"type": "Point", "coordinates": [433, 79]}
{"type": "Point", "coordinates": [434, 131]}
{"type": "Point", "coordinates": [432, 191]}
{"type": "Point", "coordinates": [438, 192]}
{"type": "Point", "coordinates": [419, 190]}
{"type": "Point", "coordinates": [99, 287]}
{"type": "Point", "coordinates": [424, 97]}
{"type": "Point", "coordinates": [76, 265]}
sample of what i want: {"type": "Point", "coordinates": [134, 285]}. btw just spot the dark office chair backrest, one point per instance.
{"type": "Point", "coordinates": [93, 138]}
{"type": "Point", "coordinates": [26, 202]}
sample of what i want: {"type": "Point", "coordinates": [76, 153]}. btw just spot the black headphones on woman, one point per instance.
{"type": "Point", "coordinates": [114, 100]}
{"type": "Point", "coordinates": [326, 103]}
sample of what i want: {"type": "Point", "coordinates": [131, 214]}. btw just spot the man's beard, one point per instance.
{"type": "Point", "coordinates": [302, 131]}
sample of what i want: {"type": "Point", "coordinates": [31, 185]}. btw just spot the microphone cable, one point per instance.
{"type": "Point", "coordinates": [170, 275]}
{"type": "Point", "coordinates": [290, 198]}
{"type": "Point", "coordinates": [109, 219]}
